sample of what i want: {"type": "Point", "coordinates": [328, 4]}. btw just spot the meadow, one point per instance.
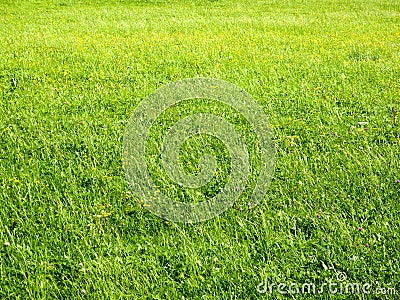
{"type": "Point", "coordinates": [326, 73]}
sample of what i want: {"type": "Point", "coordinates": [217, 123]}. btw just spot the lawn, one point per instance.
{"type": "Point", "coordinates": [327, 75]}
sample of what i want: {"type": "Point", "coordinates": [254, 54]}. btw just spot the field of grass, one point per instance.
{"type": "Point", "coordinates": [327, 74]}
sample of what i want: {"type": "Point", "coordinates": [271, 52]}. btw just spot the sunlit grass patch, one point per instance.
{"type": "Point", "coordinates": [71, 73]}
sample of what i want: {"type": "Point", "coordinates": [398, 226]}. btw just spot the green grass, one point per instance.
{"type": "Point", "coordinates": [327, 73]}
